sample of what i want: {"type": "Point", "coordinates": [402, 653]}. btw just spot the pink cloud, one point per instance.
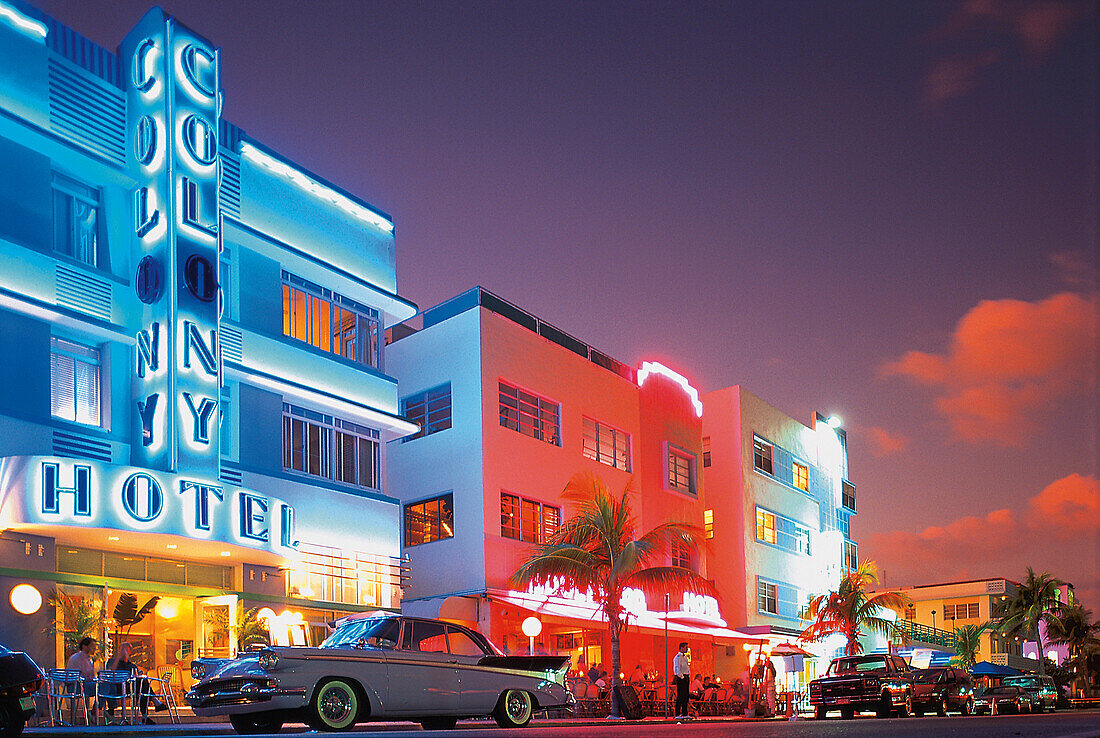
{"type": "Point", "coordinates": [884, 443]}
{"type": "Point", "coordinates": [1057, 530]}
{"type": "Point", "coordinates": [1074, 268]}
{"type": "Point", "coordinates": [1007, 359]}
{"type": "Point", "coordinates": [954, 76]}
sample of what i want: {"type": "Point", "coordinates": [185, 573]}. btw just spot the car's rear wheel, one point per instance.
{"type": "Point", "coordinates": [918, 711]}
{"type": "Point", "coordinates": [847, 713]}
{"type": "Point", "coordinates": [884, 706]}
{"type": "Point", "coordinates": [256, 723]}
{"type": "Point", "coordinates": [819, 713]}
{"type": "Point", "coordinates": [905, 709]}
{"type": "Point", "coordinates": [335, 706]}
{"type": "Point", "coordinates": [968, 707]}
{"type": "Point", "coordinates": [941, 708]}
{"type": "Point", "coordinates": [514, 709]}
{"type": "Point", "coordinates": [439, 723]}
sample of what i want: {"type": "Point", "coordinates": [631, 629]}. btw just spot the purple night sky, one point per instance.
{"type": "Point", "coordinates": [883, 210]}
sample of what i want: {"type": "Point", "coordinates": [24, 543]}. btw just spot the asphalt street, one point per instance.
{"type": "Point", "coordinates": [1070, 724]}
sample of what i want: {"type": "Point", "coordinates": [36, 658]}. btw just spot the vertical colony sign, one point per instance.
{"type": "Point", "coordinates": [174, 103]}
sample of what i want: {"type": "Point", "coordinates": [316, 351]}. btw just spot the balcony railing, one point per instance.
{"type": "Point", "coordinates": [915, 631]}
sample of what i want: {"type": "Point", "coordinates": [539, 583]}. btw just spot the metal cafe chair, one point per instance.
{"type": "Point", "coordinates": [115, 688]}
{"type": "Point", "coordinates": [61, 685]}
{"type": "Point", "coordinates": [159, 688]}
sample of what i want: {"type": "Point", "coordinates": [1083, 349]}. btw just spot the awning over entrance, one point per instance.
{"type": "Point", "coordinates": [586, 610]}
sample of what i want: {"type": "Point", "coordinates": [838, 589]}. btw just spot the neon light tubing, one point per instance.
{"type": "Point", "coordinates": [315, 188]}
{"type": "Point", "coordinates": [654, 367]}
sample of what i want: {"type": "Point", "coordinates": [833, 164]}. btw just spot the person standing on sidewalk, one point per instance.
{"type": "Point", "coordinates": [681, 672]}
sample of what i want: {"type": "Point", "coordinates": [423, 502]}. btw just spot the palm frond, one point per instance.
{"type": "Point", "coordinates": [660, 579]}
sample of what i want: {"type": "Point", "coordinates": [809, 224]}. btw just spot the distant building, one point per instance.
{"type": "Point", "coordinates": [194, 402]}
{"type": "Point", "coordinates": [511, 407]}
{"type": "Point", "coordinates": [938, 609]}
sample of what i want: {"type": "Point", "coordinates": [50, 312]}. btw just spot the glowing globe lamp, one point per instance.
{"type": "Point", "coordinates": [531, 627]}
{"type": "Point", "coordinates": [25, 599]}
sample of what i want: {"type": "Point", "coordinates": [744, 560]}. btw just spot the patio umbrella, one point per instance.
{"type": "Point", "coordinates": [984, 668]}
{"type": "Point", "coordinates": [789, 649]}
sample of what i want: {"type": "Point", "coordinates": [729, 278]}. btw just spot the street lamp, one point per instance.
{"type": "Point", "coordinates": [531, 627]}
{"type": "Point", "coordinates": [933, 620]}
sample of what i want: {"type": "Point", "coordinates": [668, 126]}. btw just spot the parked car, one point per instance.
{"type": "Point", "coordinates": [1044, 695]}
{"type": "Point", "coordinates": [1005, 698]}
{"type": "Point", "coordinates": [942, 689]}
{"type": "Point", "coordinates": [878, 682]}
{"type": "Point", "coordinates": [20, 678]}
{"type": "Point", "coordinates": [384, 667]}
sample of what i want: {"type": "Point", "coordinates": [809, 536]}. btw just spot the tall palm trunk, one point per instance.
{"type": "Point", "coordinates": [1042, 652]}
{"type": "Point", "coordinates": [616, 667]}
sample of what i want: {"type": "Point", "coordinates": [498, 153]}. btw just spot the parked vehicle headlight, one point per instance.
{"type": "Point", "coordinates": [268, 659]}
{"type": "Point", "coordinates": [872, 683]}
{"type": "Point", "coordinates": [198, 670]}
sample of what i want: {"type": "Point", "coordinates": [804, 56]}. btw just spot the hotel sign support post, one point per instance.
{"type": "Point", "coordinates": [667, 665]}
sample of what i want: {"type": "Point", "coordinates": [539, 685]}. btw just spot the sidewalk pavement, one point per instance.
{"type": "Point", "coordinates": [211, 728]}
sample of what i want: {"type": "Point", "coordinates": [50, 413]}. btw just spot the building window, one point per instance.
{"type": "Point", "coordinates": [762, 455]}
{"type": "Point", "coordinates": [706, 451]}
{"type": "Point", "coordinates": [74, 381]}
{"type": "Point", "coordinates": [961, 611]}
{"type": "Point", "coordinates": [800, 476]}
{"type": "Point", "coordinates": [329, 574]}
{"type": "Point", "coordinates": [782, 532]}
{"type": "Point", "coordinates": [767, 597]}
{"type": "Point", "coordinates": [681, 470]}
{"type": "Point", "coordinates": [851, 555]}
{"type": "Point", "coordinates": [680, 553]}
{"type": "Point", "coordinates": [848, 494]}
{"type": "Point", "coordinates": [528, 520]}
{"type": "Point", "coordinates": [430, 409]}
{"type": "Point", "coordinates": [708, 523]}
{"type": "Point", "coordinates": [765, 526]}
{"type": "Point", "coordinates": [530, 414]}
{"type": "Point", "coordinates": [430, 520]}
{"type": "Point", "coordinates": [330, 322]}
{"type": "Point", "coordinates": [75, 220]}
{"type": "Point", "coordinates": [328, 447]}
{"type": "Point", "coordinates": [605, 444]}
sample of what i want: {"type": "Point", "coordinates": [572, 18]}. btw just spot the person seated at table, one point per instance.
{"type": "Point", "coordinates": [637, 677]}
{"type": "Point", "coordinates": [695, 689]}
{"type": "Point", "coordinates": [121, 662]}
{"type": "Point", "coordinates": [711, 681]}
{"type": "Point", "coordinates": [81, 661]}
{"type": "Point", "coordinates": [594, 673]}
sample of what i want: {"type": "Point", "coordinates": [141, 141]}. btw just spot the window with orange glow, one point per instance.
{"type": "Point", "coordinates": [430, 520]}
{"type": "Point", "coordinates": [527, 520]}
{"type": "Point", "coordinates": [329, 321]}
{"type": "Point", "coordinates": [800, 476]}
{"type": "Point", "coordinates": [708, 523]}
{"type": "Point", "coordinates": [765, 526]}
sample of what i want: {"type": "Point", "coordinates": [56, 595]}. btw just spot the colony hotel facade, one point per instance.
{"type": "Point", "coordinates": [193, 399]}
{"type": "Point", "coordinates": [510, 408]}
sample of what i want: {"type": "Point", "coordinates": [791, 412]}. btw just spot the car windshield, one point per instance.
{"type": "Point", "coordinates": [380, 632]}
{"type": "Point", "coordinates": [927, 676]}
{"type": "Point", "coordinates": [858, 665]}
{"type": "Point", "coordinates": [1025, 682]}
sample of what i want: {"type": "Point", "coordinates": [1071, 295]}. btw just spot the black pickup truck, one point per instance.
{"type": "Point", "coordinates": [876, 682]}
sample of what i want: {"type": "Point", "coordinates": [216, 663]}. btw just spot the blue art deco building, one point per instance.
{"type": "Point", "coordinates": [193, 395]}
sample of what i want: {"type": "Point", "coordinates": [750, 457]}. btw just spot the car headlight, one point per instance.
{"type": "Point", "coordinates": [198, 670]}
{"type": "Point", "coordinates": [872, 683]}
{"type": "Point", "coordinates": [268, 659]}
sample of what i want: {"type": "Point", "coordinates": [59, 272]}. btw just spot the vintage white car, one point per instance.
{"type": "Point", "coordinates": [383, 667]}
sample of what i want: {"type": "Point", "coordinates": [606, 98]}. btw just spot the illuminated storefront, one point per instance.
{"type": "Point", "coordinates": [195, 405]}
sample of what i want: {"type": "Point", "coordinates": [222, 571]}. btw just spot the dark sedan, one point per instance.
{"type": "Point", "coordinates": [1002, 700]}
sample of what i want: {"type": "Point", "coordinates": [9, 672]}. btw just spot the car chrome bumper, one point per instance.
{"type": "Point", "coordinates": [239, 701]}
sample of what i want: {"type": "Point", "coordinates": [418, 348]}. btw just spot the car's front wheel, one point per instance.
{"type": "Point", "coordinates": [941, 709]}
{"type": "Point", "coordinates": [335, 706]}
{"type": "Point", "coordinates": [514, 709]}
{"type": "Point", "coordinates": [256, 723]}
{"type": "Point", "coordinates": [819, 713]}
{"type": "Point", "coordinates": [847, 713]}
{"type": "Point", "coordinates": [906, 708]}
{"type": "Point", "coordinates": [438, 723]}
{"type": "Point", "coordinates": [968, 707]}
{"type": "Point", "coordinates": [11, 722]}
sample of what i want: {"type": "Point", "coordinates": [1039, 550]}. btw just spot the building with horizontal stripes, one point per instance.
{"type": "Point", "coordinates": [194, 397]}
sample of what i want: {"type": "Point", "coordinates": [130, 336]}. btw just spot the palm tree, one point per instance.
{"type": "Point", "coordinates": [968, 641]}
{"type": "Point", "coordinates": [74, 617]}
{"type": "Point", "coordinates": [1036, 601]}
{"type": "Point", "coordinates": [598, 550]}
{"type": "Point", "coordinates": [1074, 627]}
{"type": "Point", "coordinates": [248, 631]}
{"type": "Point", "coordinates": [850, 609]}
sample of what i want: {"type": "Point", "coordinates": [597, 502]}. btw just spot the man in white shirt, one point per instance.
{"type": "Point", "coordinates": [681, 672]}
{"type": "Point", "coordinates": [81, 661]}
